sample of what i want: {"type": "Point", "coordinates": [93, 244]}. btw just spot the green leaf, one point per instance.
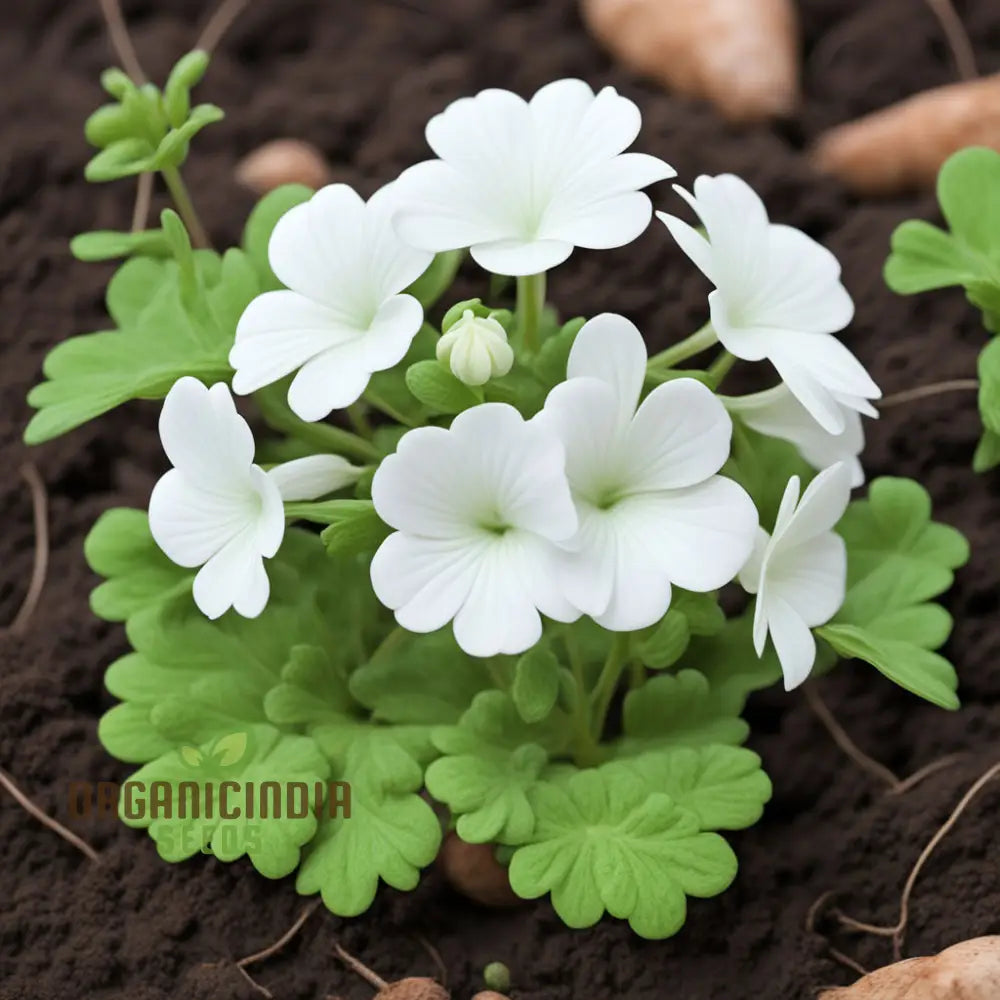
{"type": "Point", "coordinates": [260, 225]}
{"type": "Point", "coordinates": [987, 454]}
{"type": "Point", "coordinates": [723, 786]}
{"type": "Point", "coordinates": [924, 257]}
{"type": "Point", "coordinates": [667, 643]}
{"type": "Point", "coordinates": [989, 386]}
{"type": "Point", "coordinates": [550, 363]}
{"type": "Point", "coordinates": [391, 834]}
{"type": "Point", "coordinates": [161, 337]}
{"type": "Point", "coordinates": [173, 148]}
{"type": "Point", "coordinates": [677, 710]}
{"type": "Point", "coordinates": [492, 758]}
{"type": "Point", "coordinates": [187, 73]}
{"type": "Point", "coordinates": [107, 245]}
{"type": "Point", "coordinates": [419, 679]}
{"type": "Point", "coordinates": [122, 158]}
{"type": "Point", "coordinates": [536, 683]}
{"type": "Point", "coordinates": [354, 528]}
{"type": "Point", "coordinates": [438, 389]}
{"type": "Point", "coordinates": [138, 575]}
{"type": "Point", "coordinates": [603, 844]}
{"type": "Point", "coordinates": [897, 561]}
{"type": "Point", "coordinates": [273, 844]}
{"type": "Point", "coordinates": [437, 279]}
{"type": "Point", "coordinates": [702, 611]}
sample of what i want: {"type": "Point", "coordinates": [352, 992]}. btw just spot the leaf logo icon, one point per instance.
{"type": "Point", "coordinates": [192, 756]}
{"type": "Point", "coordinates": [230, 750]}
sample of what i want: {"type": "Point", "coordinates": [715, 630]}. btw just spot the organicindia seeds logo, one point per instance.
{"type": "Point", "coordinates": [217, 804]}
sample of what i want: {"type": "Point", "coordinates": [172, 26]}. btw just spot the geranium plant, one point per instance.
{"type": "Point", "coordinates": [967, 256]}
{"type": "Point", "coordinates": [512, 606]}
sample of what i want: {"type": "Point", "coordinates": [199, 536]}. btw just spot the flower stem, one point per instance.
{"type": "Point", "coordinates": [926, 391]}
{"type": "Point", "coordinates": [326, 437]}
{"type": "Point", "coordinates": [359, 420]}
{"type": "Point", "coordinates": [607, 682]}
{"type": "Point", "coordinates": [687, 348]}
{"type": "Point", "coordinates": [530, 303]}
{"type": "Point", "coordinates": [586, 752]}
{"type": "Point", "coordinates": [720, 368]}
{"type": "Point", "coordinates": [376, 401]}
{"type": "Point", "coordinates": [185, 207]}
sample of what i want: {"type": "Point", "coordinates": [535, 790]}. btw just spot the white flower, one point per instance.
{"type": "Point", "coordinates": [778, 295]}
{"type": "Point", "coordinates": [652, 511]}
{"type": "Point", "coordinates": [477, 508]}
{"type": "Point", "coordinates": [476, 349]}
{"type": "Point", "coordinates": [799, 573]}
{"type": "Point", "coordinates": [215, 508]}
{"type": "Point", "coordinates": [777, 413]}
{"type": "Point", "coordinates": [341, 317]}
{"type": "Point", "coordinates": [524, 182]}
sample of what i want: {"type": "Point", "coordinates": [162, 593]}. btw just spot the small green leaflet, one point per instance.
{"type": "Point", "coordinates": [536, 683]}
{"type": "Point", "coordinates": [898, 559]}
{"type": "Point", "coordinates": [988, 454]}
{"type": "Point", "coordinates": [602, 843]}
{"type": "Point", "coordinates": [168, 326]}
{"type": "Point", "coordinates": [925, 257]}
{"type": "Point", "coordinates": [439, 390]}
{"type": "Point", "coordinates": [273, 843]}
{"type": "Point", "coordinates": [260, 225]}
{"type": "Point", "coordinates": [137, 574]}
{"type": "Point", "coordinates": [492, 759]}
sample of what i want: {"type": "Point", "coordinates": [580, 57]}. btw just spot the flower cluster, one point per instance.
{"type": "Point", "coordinates": [605, 499]}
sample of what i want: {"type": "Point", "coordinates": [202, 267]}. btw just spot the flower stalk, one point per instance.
{"type": "Point", "coordinates": [699, 341]}
{"type": "Point", "coordinates": [530, 303]}
{"type": "Point", "coordinates": [185, 207]}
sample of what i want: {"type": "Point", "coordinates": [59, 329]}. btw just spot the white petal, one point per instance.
{"type": "Point", "coordinates": [601, 224]}
{"type": "Point", "coordinates": [680, 436]}
{"type": "Point", "coordinates": [190, 524]}
{"type": "Point", "coordinates": [811, 579]}
{"type": "Point", "coordinates": [587, 573]}
{"type": "Point", "coordinates": [821, 507]}
{"type": "Point", "coordinates": [540, 572]}
{"type": "Point", "coordinates": [519, 257]}
{"type": "Point", "coordinates": [610, 125]}
{"type": "Point", "coordinates": [256, 591]}
{"type": "Point", "coordinates": [204, 436]}
{"type": "Point", "coordinates": [793, 642]}
{"type": "Point", "coordinates": [278, 333]}
{"type": "Point", "coordinates": [393, 264]}
{"type": "Point", "coordinates": [789, 501]}
{"type": "Point", "coordinates": [801, 290]}
{"type": "Point", "coordinates": [691, 242]}
{"type": "Point", "coordinates": [313, 476]}
{"type": "Point", "coordinates": [440, 209]}
{"type": "Point", "coordinates": [425, 581]}
{"type": "Point", "coordinates": [330, 381]}
{"type": "Point", "coordinates": [227, 577]}
{"type": "Point", "coordinates": [701, 535]}
{"type": "Point", "coordinates": [497, 616]}
{"type": "Point", "coordinates": [269, 513]}
{"type": "Point", "coordinates": [609, 347]}
{"type": "Point", "coordinates": [391, 333]}
{"type": "Point", "coordinates": [753, 568]}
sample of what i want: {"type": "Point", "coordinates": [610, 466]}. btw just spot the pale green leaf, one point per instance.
{"type": "Point", "coordinates": [439, 390]}
{"type": "Point", "coordinates": [536, 683]}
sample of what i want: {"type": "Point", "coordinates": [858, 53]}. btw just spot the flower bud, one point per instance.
{"type": "Point", "coordinates": [475, 349]}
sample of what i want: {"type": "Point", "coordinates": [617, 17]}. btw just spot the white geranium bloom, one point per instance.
{"type": "Point", "coordinates": [341, 317]}
{"type": "Point", "coordinates": [215, 508]}
{"type": "Point", "coordinates": [475, 348]}
{"type": "Point", "coordinates": [799, 573]}
{"type": "Point", "coordinates": [477, 508]}
{"type": "Point", "coordinates": [524, 182]}
{"type": "Point", "coordinates": [778, 295]}
{"type": "Point", "coordinates": [652, 510]}
{"type": "Point", "coordinates": [777, 413]}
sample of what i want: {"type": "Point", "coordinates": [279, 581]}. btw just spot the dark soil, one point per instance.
{"type": "Point", "coordinates": [359, 80]}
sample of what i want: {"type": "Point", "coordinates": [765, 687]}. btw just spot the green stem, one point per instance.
{"type": "Point", "coordinates": [687, 348]}
{"type": "Point", "coordinates": [326, 437]}
{"type": "Point", "coordinates": [498, 672]}
{"type": "Point", "coordinates": [359, 420]}
{"type": "Point", "coordinates": [373, 399]}
{"type": "Point", "coordinates": [721, 367]}
{"type": "Point", "coordinates": [185, 207]}
{"type": "Point", "coordinates": [636, 673]}
{"type": "Point", "coordinates": [607, 682]}
{"type": "Point", "coordinates": [393, 639]}
{"type": "Point", "coordinates": [530, 303]}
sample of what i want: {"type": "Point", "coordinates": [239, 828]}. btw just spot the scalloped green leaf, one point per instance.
{"type": "Point", "coordinates": [603, 844]}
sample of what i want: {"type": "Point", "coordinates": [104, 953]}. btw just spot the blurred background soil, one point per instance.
{"type": "Point", "coordinates": [360, 80]}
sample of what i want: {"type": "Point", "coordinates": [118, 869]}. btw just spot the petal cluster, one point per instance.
{"type": "Point", "coordinates": [341, 316]}
{"type": "Point", "coordinates": [653, 512]}
{"type": "Point", "coordinates": [479, 510]}
{"type": "Point", "coordinates": [475, 348]}
{"type": "Point", "coordinates": [218, 510]}
{"type": "Point", "coordinates": [522, 183]}
{"type": "Point", "coordinates": [799, 573]}
{"type": "Point", "coordinates": [778, 295]}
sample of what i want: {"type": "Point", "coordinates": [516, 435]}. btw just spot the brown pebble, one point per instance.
{"type": "Point", "coordinates": [413, 988]}
{"type": "Point", "coordinates": [283, 161]}
{"type": "Point", "coordinates": [490, 995]}
{"type": "Point", "coordinates": [475, 872]}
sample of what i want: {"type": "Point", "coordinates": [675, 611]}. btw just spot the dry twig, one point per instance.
{"type": "Point", "coordinates": [956, 36]}
{"type": "Point", "coordinates": [273, 949]}
{"type": "Point", "coordinates": [7, 782]}
{"type": "Point", "coordinates": [39, 570]}
{"type": "Point", "coordinates": [219, 23]}
{"type": "Point", "coordinates": [927, 391]}
{"type": "Point", "coordinates": [359, 967]}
